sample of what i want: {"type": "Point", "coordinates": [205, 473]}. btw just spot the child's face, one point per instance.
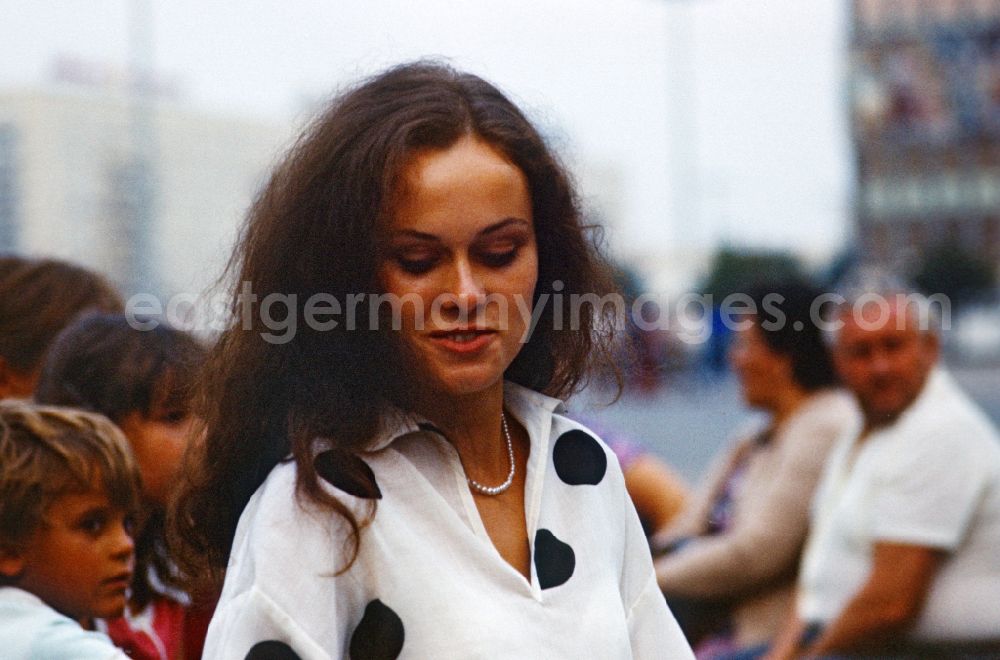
{"type": "Point", "coordinates": [80, 560]}
{"type": "Point", "coordinates": [158, 443]}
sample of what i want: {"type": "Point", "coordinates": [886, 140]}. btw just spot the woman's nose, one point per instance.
{"type": "Point", "coordinates": [466, 287]}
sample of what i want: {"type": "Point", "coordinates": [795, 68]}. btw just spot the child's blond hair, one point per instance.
{"type": "Point", "coordinates": [49, 451]}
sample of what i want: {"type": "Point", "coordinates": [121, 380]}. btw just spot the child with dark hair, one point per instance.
{"type": "Point", "coordinates": [141, 380]}
{"type": "Point", "coordinates": [68, 489]}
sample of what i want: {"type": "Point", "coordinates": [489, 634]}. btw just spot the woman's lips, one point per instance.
{"type": "Point", "coordinates": [463, 341]}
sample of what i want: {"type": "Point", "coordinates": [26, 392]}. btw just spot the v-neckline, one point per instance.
{"type": "Point", "coordinates": [534, 474]}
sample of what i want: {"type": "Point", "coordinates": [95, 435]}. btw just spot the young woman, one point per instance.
{"type": "Point", "coordinates": [402, 481]}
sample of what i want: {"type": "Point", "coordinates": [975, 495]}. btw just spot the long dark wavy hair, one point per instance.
{"type": "Point", "coordinates": [315, 228]}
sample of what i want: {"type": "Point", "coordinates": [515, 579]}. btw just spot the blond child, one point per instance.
{"type": "Point", "coordinates": [141, 380]}
{"type": "Point", "coordinates": [68, 487]}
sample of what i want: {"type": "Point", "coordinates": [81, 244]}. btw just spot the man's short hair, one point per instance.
{"type": "Point", "coordinates": [49, 451]}
{"type": "Point", "coordinates": [40, 297]}
{"type": "Point", "coordinates": [872, 285]}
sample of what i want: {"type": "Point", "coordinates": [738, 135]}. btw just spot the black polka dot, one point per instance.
{"type": "Point", "coordinates": [579, 459]}
{"type": "Point", "coordinates": [348, 473]}
{"type": "Point", "coordinates": [554, 560]}
{"type": "Point", "coordinates": [272, 650]}
{"type": "Point", "coordinates": [379, 636]}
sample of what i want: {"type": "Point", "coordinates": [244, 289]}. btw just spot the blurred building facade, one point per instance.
{"type": "Point", "coordinates": [925, 93]}
{"type": "Point", "coordinates": [150, 196]}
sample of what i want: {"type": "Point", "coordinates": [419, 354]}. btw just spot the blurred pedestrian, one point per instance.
{"type": "Point", "coordinates": [729, 563]}
{"type": "Point", "coordinates": [412, 487]}
{"type": "Point", "coordinates": [142, 380]}
{"type": "Point", "coordinates": [902, 558]}
{"type": "Point", "coordinates": [38, 298]}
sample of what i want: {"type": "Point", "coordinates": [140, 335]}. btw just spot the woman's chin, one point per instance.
{"type": "Point", "coordinates": [467, 382]}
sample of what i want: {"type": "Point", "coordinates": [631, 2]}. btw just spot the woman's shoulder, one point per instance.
{"type": "Point", "coordinates": [580, 456]}
{"type": "Point", "coordinates": [278, 517]}
{"type": "Point", "coordinates": [283, 537]}
{"type": "Point", "coordinates": [830, 402]}
{"type": "Point", "coordinates": [828, 413]}
{"type": "Point", "coordinates": [275, 493]}
{"type": "Point", "coordinates": [574, 451]}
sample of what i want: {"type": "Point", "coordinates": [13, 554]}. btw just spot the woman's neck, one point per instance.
{"type": "Point", "coordinates": [788, 400]}
{"type": "Point", "coordinates": [472, 424]}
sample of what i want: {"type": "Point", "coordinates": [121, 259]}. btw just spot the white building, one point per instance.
{"type": "Point", "coordinates": [67, 179]}
{"type": "Point", "coordinates": [68, 169]}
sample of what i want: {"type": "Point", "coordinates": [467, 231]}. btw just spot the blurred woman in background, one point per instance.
{"type": "Point", "coordinates": [728, 565]}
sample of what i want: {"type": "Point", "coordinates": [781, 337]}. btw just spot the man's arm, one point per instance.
{"type": "Point", "coordinates": [889, 601]}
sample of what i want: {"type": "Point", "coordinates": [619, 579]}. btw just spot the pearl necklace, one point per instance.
{"type": "Point", "coordinates": [496, 490]}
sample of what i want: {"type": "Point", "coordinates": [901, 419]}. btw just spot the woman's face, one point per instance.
{"type": "Point", "coordinates": [461, 261]}
{"type": "Point", "coordinates": [761, 371]}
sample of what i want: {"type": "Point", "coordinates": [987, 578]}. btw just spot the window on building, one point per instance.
{"type": "Point", "coordinates": [870, 13]}
{"type": "Point", "coordinates": [9, 190]}
{"type": "Point", "coordinates": [989, 189]}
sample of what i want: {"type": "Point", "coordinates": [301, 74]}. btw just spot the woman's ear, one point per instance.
{"type": "Point", "coordinates": [11, 564]}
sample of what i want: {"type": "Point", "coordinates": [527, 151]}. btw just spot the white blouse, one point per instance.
{"type": "Point", "coordinates": [428, 581]}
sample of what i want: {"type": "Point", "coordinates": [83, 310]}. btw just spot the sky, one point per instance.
{"type": "Point", "coordinates": [723, 119]}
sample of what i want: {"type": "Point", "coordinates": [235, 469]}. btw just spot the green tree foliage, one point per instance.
{"type": "Point", "coordinates": [957, 273]}
{"type": "Point", "coordinates": [735, 271]}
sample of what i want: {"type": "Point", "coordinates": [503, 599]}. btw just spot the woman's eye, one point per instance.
{"type": "Point", "coordinates": [416, 266]}
{"type": "Point", "coordinates": [498, 259]}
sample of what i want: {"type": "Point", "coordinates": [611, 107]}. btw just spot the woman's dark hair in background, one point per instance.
{"type": "Point", "coordinates": [101, 364]}
{"type": "Point", "coordinates": [40, 297]}
{"type": "Point", "coordinates": [788, 323]}
{"type": "Point", "coordinates": [315, 228]}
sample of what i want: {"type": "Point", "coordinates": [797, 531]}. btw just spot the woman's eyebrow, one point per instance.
{"type": "Point", "coordinates": [413, 233]}
{"type": "Point", "coordinates": [424, 236]}
{"type": "Point", "coordinates": [503, 224]}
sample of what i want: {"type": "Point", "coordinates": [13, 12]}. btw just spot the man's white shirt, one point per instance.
{"type": "Point", "coordinates": [930, 479]}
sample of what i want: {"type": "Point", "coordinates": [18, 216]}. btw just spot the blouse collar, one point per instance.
{"type": "Point", "coordinates": [524, 403]}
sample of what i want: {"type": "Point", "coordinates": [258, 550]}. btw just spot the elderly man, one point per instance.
{"type": "Point", "coordinates": [904, 549]}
